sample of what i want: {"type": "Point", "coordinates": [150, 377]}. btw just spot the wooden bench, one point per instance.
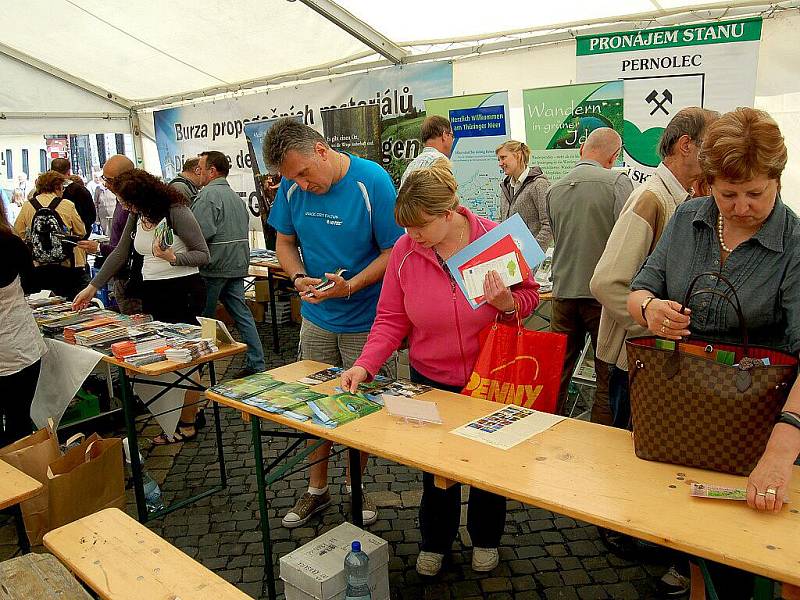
{"type": "Point", "coordinates": [120, 559]}
{"type": "Point", "coordinates": [16, 487]}
{"type": "Point", "coordinates": [38, 576]}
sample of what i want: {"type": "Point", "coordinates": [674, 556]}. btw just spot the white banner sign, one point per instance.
{"type": "Point", "coordinates": [400, 92]}
{"type": "Point", "coordinates": [669, 68]}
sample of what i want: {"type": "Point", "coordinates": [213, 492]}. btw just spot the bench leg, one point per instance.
{"type": "Point", "coordinates": [22, 535]}
{"type": "Point", "coordinates": [255, 427]}
{"type": "Point", "coordinates": [356, 499]}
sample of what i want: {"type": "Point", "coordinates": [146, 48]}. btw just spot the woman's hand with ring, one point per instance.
{"type": "Point", "coordinates": [664, 319]}
{"type": "Point", "coordinates": [767, 485]}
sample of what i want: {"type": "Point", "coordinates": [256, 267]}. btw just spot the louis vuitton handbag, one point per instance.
{"type": "Point", "coordinates": [689, 409]}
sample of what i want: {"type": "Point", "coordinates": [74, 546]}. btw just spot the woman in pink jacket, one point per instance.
{"type": "Point", "coordinates": [421, 301]}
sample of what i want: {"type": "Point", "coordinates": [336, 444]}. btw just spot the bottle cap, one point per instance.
{"type": "Point", "coordinates": [356, 547]}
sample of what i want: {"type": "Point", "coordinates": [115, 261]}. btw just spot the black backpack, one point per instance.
{"type": "Point", "coordinates": [47, 234]}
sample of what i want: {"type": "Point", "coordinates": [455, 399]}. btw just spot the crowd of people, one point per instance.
{"type": "Point", "coordinates": [622, 261]}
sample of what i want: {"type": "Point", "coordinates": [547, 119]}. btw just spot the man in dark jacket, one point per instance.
{"type": "Point", "coordinates": [78, 193]}
{"type": "Point", "coordinates": [189, 180]}
{"type": "Point", "coordinates": [223, 219]}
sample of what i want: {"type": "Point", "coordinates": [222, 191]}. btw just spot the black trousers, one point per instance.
{"type": "Point", "coordinates": [62, 281]}
{"type": "Point", "coordinates": [177, 300]}
{"type": "Point", "coordinates": [440, 510]}
{"type": "Point", "coordinates": [15, 408]}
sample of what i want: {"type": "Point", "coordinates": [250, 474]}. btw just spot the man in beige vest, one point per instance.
{"type": "Point", "coordinates": [633, 238]}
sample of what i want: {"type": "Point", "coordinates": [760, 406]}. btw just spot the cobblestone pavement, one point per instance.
{"type": "Point", "coordinates": [543, 555]}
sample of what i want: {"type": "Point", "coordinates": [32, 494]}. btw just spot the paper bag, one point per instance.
{"type": "Point", "coordinates": [86, 479]}
{"type": "Point", "coordinates": [32, 455]}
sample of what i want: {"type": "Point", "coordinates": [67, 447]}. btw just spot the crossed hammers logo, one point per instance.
{"type": "Point", "coordinates": [666, 96]}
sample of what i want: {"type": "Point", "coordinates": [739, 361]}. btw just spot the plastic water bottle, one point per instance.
{"type": "Point", "coordinates": [152, 493]}
{"type": "Point", "coordinates": [356, 574]}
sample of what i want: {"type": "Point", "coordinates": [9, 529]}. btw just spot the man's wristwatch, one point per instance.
{"type": "Point", "coordinates": [297, 276]}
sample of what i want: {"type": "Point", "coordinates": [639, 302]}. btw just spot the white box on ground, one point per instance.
{"type": "Point", "coordinates": [378, 585]}
{"type": "Point", "coordinates": [316, 570]}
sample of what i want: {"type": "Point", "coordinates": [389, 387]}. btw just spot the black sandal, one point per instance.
{"type": "Point", "coordinates": [177, 437]}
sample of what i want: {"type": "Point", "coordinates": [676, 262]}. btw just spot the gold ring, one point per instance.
{"type": "Point", "coordinates": [772, 491]}
{"type": "Point", "coordinates": [760, 494]}
{"type": "Point", "coordinates": [666, 322]}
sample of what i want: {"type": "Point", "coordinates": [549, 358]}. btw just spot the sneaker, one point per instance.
{"type": "Point", "coordinates": [369, 512]}
{"type": "Point", "coordinates": [429, 563]}
{"type": "Point", "coordinates": [673, 583]}
{"type": "Point", "coordinates": [485, 559]}
{"type": "Point", "coordinates": [307, 506]}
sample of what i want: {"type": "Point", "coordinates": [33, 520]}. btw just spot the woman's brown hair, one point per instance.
{"type": "Point", "coordinates": [148, 195]}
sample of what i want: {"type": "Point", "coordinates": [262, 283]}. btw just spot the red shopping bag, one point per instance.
{"type": "Point", "coordinates": [518, 366]}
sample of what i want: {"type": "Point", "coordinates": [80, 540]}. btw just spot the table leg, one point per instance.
{"type": "Point", "coordinates": [126, 391]}
{"type": "Point", "coordinates": [255, 427]}
{"type": "Point", "coordinates": [276, 345]}
{"type": "Point", "coordinates": [223, 477]}
{"type": "Point", "coordinates": [22, 535]}
{"type": "Point", "coordinates": [764, 589]}
{"type": "Point", "coordinates": [356, 499]}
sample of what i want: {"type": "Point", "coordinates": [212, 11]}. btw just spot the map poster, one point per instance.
{"type": "Point", "coordinates": [480, 125]}
{"type": "Point", "coordinates": [665, 69]}
{"type": "Point", "coordinates": [559, 119]}
{"type": "Point", "coordinates": [354, 129]}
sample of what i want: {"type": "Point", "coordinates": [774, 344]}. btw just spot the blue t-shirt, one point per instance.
{"type": "Point", "coordinates": [347, 227]}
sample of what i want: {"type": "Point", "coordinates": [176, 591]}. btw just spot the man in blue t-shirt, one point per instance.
{"type": "Point", "coordinates": [333, 211]}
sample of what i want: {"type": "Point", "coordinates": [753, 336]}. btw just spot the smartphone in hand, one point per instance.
{"type": "Point", "coordinates": [326, 283]}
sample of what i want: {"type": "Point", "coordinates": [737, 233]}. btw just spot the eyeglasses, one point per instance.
{"type": "Point", "coordinates": [109, 180]}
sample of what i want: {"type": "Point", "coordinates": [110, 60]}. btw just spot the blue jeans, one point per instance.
{"type": "Point", "coordinates": [231, 293]}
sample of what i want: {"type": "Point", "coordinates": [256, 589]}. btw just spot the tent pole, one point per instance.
{"type": "Point", "coordinates": [136, 133]}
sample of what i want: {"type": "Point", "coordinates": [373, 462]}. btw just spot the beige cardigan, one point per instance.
{"type": "Point", "coordinates": [633, 238]}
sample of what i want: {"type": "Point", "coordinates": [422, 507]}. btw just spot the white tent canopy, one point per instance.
{"type": "Point", "coordinates": [149, 53]}
{"type": "Point", "coordinates": [93, 66]}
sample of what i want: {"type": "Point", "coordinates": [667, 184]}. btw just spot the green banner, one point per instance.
{"type": "Point", "coordinates": [559, 119]}
{"type": "Point", "coordinates": [744, 30]}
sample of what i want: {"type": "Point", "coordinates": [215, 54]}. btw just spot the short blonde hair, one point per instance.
{"type": "Point", "coordinates": [516, 147]}
{"type": "Point", "coordinates": [428, 191]}
{"type": "Point", "coordinates": [742, 145]}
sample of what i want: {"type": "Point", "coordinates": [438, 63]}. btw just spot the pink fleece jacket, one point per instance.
{"type": "Point", "coordinates": [418, 300]}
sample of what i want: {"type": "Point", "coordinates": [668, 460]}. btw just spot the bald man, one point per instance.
{"type": "Point", "coordinates": [114, 167]}
{"type": "Point", "coordinates": [583, 207]}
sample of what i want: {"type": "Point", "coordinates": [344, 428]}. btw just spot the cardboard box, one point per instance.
{"type": "Point", "coordinates": [222, 315]}
{"type": "Point", "coordinates": [258, 310]}
{"type": "Point", "coordinates": [295, 301]}
{"type": "Point", "coordinates": [316, 570]}
{"type": "Point", "coordinates": [261, 290]}
{"type": "Point", "coordinates": [378, 587]}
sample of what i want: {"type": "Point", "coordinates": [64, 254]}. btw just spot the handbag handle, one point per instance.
{"type": "Point", "coordinates": [732, 299]}
{"type": "Point", "coordinates": [723, 279]}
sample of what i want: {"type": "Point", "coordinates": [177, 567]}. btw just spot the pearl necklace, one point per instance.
{"type": "Point", "coordinates": [719, 233]}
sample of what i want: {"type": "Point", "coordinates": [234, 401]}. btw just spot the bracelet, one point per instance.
{"type": "Point", "coordinates": [513, 310]}
{"type": "Point", "coordinates": [348, 289]}
{"type": "Point", "coordinates": [645, 304]}
{"type": "Point", "coordinates": [297, 276]}
{"type": "Point", "coordinates": [790, 418]}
